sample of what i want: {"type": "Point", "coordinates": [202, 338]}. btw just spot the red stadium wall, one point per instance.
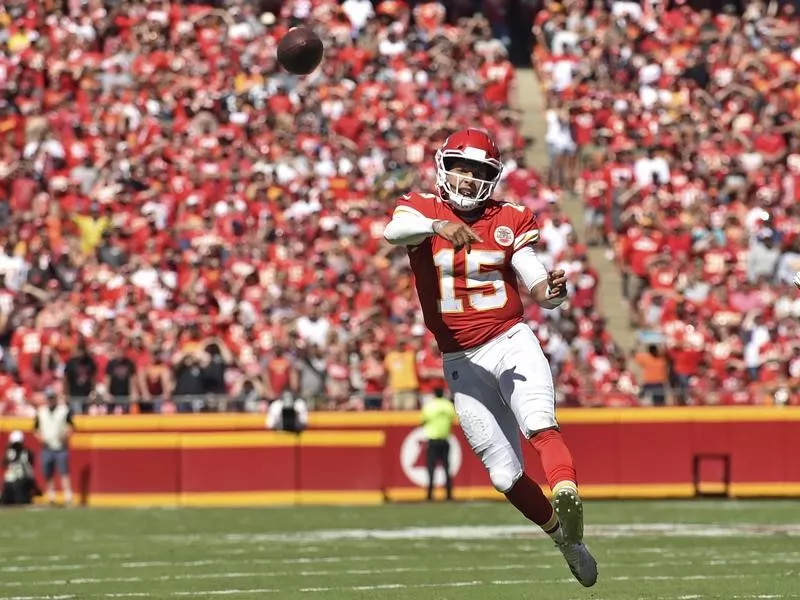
{"type": "Point", "coordinates": [367, 458]}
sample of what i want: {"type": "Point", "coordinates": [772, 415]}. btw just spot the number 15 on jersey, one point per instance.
{"type": "Point", "coordinates": [480, 284]}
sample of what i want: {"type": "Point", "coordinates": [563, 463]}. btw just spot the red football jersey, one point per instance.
{"type": "Point", "coordinates": [469, 298]}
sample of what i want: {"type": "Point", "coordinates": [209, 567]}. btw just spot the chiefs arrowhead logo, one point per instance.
{"type": "Point", "coordinates": [412, 459]}
{"type": "Point", "coordinates": [504, 236]}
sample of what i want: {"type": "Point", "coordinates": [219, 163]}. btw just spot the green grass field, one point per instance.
{"type": "Point", "coordinates": [648, 550]}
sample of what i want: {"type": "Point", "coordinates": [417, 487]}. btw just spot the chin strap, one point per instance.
{"type": "Point", "coordinates": [457, 206]}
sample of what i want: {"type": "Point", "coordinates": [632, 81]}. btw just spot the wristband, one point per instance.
{"type": "Point", "coordinates": [437, 224]}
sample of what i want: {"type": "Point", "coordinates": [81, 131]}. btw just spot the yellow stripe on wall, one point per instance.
{"type": "Point", "coordinates": [343, 438]}
{"type": "Point", "coordinates": [680, 414]}
{"type": "Point", "coordinates": [171, 422]}
{"type": "Point", "coordinates": [224, 499]}
{"type": "Point", "coordinates": [622, 491]}
{"type": "Point", "coordinates": [676, 414]}
{"type": "Point", "coordinates": [126, 441]}
{"type": "Point", "coordinates": [377, 419]}
{"type": "Point", "coordinates": [287, 498]}
{"type": "Point", "coordinates": [365, 419]}
{"type": "Point", "coordinates": [242, 439]}
{"type": "Point", "coordinates": [237, 499]}
{"type": "Point", "coordinates": [755, 490]}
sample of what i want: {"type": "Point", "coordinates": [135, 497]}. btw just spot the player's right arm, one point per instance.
{"type": "Point", "coordinates": [414, 221]}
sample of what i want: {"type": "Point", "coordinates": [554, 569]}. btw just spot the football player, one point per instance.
{"type": "Point", "coordinates": [467, 252]}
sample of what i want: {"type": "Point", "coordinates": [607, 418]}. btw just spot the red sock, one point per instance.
{"type": "Point", "coordinates": [528, 499]}
{"type": "Point", "coordinates": [555, 456]}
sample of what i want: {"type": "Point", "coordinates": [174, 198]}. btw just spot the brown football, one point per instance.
{"type": "Point", "coordinates": [300, 51]}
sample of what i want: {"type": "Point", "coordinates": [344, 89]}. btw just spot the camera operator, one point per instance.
{"type": "Point", "coordinates": [19, 483]}
{"type": "Point", "coordinates": [287, 413]}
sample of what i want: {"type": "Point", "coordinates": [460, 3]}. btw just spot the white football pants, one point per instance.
{"type": "Point", "coordinates": [500, 389]}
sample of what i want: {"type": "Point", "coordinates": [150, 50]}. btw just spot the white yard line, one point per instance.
{"type": "Point", "coordinates": [34, 558]}
{"type": "Point", "coordinates": [22, 558]}
{"type": "Point", "coordinates": [227, 592]}
{"type": "Point", "coordinates": [302, 560]}
{"type": "Point", "coordinates": [393, 586]}
{"type": "Point", "coordinates": [262, 574]}
{"type": "Point", "coordinates": [369, 588]}
{"type": "Point", "coordinates": [492, 532]}
{"type": "Point", "coordinates": [460, 538]}
{"type": "Point", "coordinates": [39, 568]}
{"type": "Point", "coordinates": [61, 597]}
{"type": "Point", "coordinates": [527, 566]}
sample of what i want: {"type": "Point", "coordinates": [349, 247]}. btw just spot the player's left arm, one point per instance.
{"type": "Point", "coordinates": [549, 289]}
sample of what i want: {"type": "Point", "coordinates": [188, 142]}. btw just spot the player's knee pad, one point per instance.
{"type": "Point", "coordinates": [504, 477]}
{"type": "Point", "coordinates": [539, 420]}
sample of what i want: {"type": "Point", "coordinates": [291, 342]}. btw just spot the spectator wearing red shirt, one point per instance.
{"type": "Point", "coordinates": [640, 246]}
{"type": "Point", "coordinates": [686, 355]}
{"type": "Point", "coordinates": [430, 372]}
{"type": "Point", "coordinates": [728, 163]}
{"type": "Point", "coordinates": [281, 375]}
{"type": "Point", "coordinates": [374, 375]}
{"type": "Point", "coordinates": [215, 200]}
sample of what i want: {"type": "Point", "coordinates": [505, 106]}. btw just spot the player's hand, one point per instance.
{"type": "Point", "coordinates": [459, 234]}
{"type": "Point", "coordinates": [556, 284]}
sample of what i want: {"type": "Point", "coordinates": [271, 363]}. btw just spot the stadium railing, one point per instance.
{"type": "Point", "coordinates": [768, 394]}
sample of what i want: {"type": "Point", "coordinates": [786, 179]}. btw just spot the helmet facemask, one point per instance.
{"type": "Point", "coordinates": [466, 181]}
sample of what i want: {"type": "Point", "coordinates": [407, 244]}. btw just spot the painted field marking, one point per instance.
{"type": "Point", "coordinates": [391, 586]}
{"type": "Point", "coordinates": [396, 570]}
{"type": "Point", "coordinates": [489, 532]}
{"type": "Point", "coordinates": [202, 563]}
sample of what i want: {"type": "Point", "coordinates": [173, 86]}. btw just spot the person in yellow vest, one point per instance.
{"type": "Point", "coordinates": [438, 418]}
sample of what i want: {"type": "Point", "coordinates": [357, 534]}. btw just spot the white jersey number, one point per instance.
{"type": "Point", "coordinates": [490, 286]}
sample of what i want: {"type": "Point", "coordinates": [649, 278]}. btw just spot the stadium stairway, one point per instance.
{"type": "Point", "coordinates": [612, 306]}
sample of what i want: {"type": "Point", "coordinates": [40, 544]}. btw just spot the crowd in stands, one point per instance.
{"type": "Point", "coordinates": [680, 130]}
{"type": "Point", "coordinates": [187, 227]}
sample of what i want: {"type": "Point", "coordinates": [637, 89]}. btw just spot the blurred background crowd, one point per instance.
{"type": "Point", "coordinates": [680, 130]}
{"type": "Point", "coordinates": [185, 227]}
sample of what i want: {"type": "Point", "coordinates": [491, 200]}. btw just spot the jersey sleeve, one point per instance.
{"type": "Point", "coordinates": [526, 228]}
{"type": "Point", "coordinates": [417, 205]}
{"type": "Point", "coordinates": [412, 220]}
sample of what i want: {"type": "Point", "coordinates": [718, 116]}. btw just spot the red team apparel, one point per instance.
{"type": "Point", "coordinates": [470, 298]}
{"type": "Point", "coordinates": [493, 363]}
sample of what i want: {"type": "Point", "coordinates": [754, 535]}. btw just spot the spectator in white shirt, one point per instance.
{"type": "Point", "coordinates": [651, 169]}
{"type": "Point", "coordinates": [313, 328]}
{"type": "Point", "coordinates": [359, 12]}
